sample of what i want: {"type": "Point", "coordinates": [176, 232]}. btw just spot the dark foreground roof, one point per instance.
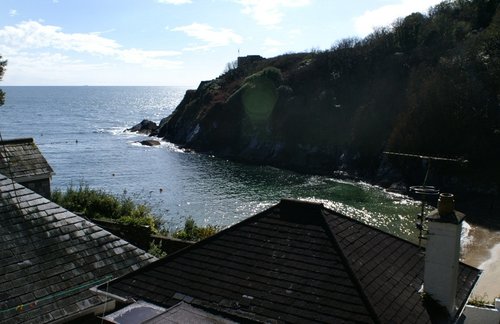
{"type": "Point", "coordinates": [50, 258]}
{"type": "Point", "coordinates": [21, 160]}
{"type": "Point", "coordinates": [295, 262]}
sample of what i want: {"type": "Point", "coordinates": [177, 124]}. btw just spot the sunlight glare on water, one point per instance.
{"type": "Point", "coordinates": [80, 130]}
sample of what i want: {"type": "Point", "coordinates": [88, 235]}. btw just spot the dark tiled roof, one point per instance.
{"type": "Point", "coordinates": [20, 159]}
{"type": "Point", "coordinates": [295, 262]}
{"type": "Point", "coordinates": [185, 313]}
{"type": "Point", "coordinates": [49, 258]}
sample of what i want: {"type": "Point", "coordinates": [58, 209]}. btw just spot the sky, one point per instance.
{"type": "Point", "coordinates": [172, 42]}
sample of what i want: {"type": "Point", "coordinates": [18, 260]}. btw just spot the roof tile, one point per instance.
{"type": "Point", "coordinates": [300, 263]}
{"type": "Point", "coordinates": [21, 158]}
{"type": "Point", "coordinates": [46, 255]}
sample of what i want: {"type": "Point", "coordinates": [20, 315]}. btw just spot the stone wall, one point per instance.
{"type": "Point", "coordinates": [244, 61]}
{"type": "Point", "coordinates": [141, 236]}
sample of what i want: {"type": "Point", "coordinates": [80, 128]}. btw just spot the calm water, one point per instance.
{"type": "Point", "coordinates": [80, 130]}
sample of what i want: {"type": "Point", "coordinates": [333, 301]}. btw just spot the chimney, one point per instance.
{"type": "Point", "coordinates": [442, 253]}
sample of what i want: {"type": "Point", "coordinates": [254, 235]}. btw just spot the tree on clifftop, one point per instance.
{"type": "Point", "coordinates": [2, 68]}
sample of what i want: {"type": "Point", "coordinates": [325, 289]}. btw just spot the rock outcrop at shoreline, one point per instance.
{"type": "Point", "coordinates": [145, 127]}
{"type": "Point", "coordinates": [420, 87]}
{"type": "Point", "coordinates": [150, 143]}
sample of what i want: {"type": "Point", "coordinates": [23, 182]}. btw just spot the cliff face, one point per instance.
{"type": "Point", "coordinates": [428, 85]}
{"type": "Point", "coordinates": [257, 115]}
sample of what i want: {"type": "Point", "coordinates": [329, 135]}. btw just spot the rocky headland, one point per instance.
{"type": "Point", "coordinates": [429, 85]}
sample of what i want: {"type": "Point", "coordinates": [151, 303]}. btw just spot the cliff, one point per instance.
{"type": "Point", "coordinates": [429, 84]}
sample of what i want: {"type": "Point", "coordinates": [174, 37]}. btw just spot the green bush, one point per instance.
{"type": "Point", "coordinates": [99, 204]}
{"type": "Point", "coordinates": [270, 73]}
{"type": "Point", "coordinates": [156, 250]}
{"type": "Point", "coordinates": [193, 232]}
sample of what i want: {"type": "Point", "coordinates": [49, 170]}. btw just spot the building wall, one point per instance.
{"type": "Point", "coordinates": [41, 187]}
{"type": "Point", "coordinates": [482, 315]}
{"type": "Point", "coordinates": [244, 61]}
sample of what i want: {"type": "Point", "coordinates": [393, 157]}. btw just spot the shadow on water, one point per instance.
{"type": "Point", "coordinates": [481, 211]}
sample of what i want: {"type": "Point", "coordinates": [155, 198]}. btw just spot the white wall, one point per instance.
{"type": "Point", "coordinates": [482, 315]}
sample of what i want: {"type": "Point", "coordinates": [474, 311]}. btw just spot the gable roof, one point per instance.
{"type": "Point", "coordinates": [21, 160]}
{"type": "Point", "coordinates": [50, 257]}
{"type": "Point", "coordinates": [295, 262]}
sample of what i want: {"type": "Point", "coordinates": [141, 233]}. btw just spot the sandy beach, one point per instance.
{"type": "Point", "coordinates": [482, 250]}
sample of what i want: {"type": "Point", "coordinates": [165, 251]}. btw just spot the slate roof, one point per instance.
{"type": "Point", "coordinates": [185, 313]}
{"type": "Point", "coordinates": [21, 160]}
{"type": "Point", "coordinates": [295, 262]}
{"type": "Point", "coordinates": [50, 258]}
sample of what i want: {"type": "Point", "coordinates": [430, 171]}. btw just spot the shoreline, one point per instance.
{"type": "Point", "coordinates": [483, 252]}
{"type": "Point", "coordinates": [488, 285]}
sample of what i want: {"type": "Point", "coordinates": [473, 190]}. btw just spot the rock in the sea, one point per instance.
{"type": "Point", "coordinates": [150, 142]}
{"type": "Point", "coordinates": [144, 127]}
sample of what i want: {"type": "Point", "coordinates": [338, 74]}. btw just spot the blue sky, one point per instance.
{"type": "Point", "coordinates": [171, 42]}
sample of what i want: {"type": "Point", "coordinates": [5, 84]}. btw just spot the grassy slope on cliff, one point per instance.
{"type": "Point", "coordinates": [429, 84]}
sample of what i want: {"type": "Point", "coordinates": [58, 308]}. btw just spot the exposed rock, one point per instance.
{"type": "Point", "coordinates": [150, 142]}
{"type": "Point", "coordinates": [336, 112]}
{"type": "Point", "coordinates": [144, 127]}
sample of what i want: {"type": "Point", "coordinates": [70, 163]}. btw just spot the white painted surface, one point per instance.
{"type": "Point", "coordinates": [481, 315]}
{"type": "Point", "coordinates": [441, 263]}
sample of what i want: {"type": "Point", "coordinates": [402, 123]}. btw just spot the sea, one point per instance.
{"type": "Point", "coordinates": [82, 133]}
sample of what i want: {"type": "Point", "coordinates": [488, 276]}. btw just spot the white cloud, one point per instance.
{"type": "Point", "coordinates": [175, 2]}
{"type": "Point", "coordinates": [12, 12]}
{"type": "Point", "coordinates": [209, 35]}
{"type": "Point", "coordinates": [386, 15]}
{"type": "Point", "coordinates": [52, 63]}
{"type": "Point", "coordinates": [34, 36]}
{"type": "Point", "coordinates": [148, 58]}
{"type": "Point", "coordinates": [48, 68]}
{"type": "Point", "coordinates": [269, 12]}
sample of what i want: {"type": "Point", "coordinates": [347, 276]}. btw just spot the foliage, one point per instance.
{"type": "Point", "coordinates": [99, 204]}
{"type": "Point", "coordinates": [3, 64]}
{"type": "Point", "coordinates": [233, 65]}
{"type": "Point", "coordinates": [269, 73]}
{"type": "Point", "coordinates": [479, 301]}
{"type": "Point", "coordinates": [156, 250]}
{"type": "Point", "coordinates": [427, 84]}
{"type": "Point", "coordinates": [193, 232]}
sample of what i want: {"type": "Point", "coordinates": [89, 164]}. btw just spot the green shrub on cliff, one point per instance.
{"type": "Point", "coordinates": [3, 64]}
{"type": "Point", "coordinates": [428, 85]}
{"type": "Point", "coordinates": [270, 73]}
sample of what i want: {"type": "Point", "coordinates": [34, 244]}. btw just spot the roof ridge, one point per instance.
{"type": "Point", "coordinates": [345, 261]}
{"type": "Point", "coordinates": [161, 261]}
{"type": "Point", "coordinates": [18, 140]}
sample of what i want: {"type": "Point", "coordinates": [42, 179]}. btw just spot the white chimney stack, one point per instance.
{"type": "Point", "coordinates": [443, 253]}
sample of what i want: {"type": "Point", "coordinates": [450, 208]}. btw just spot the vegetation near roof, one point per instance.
{"type": "Point", "coordinates": [99, 204]}
{"type": "Point", "coordinates": [194, 232]}
{"type": "Point", "coordinates": [295, 262]}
